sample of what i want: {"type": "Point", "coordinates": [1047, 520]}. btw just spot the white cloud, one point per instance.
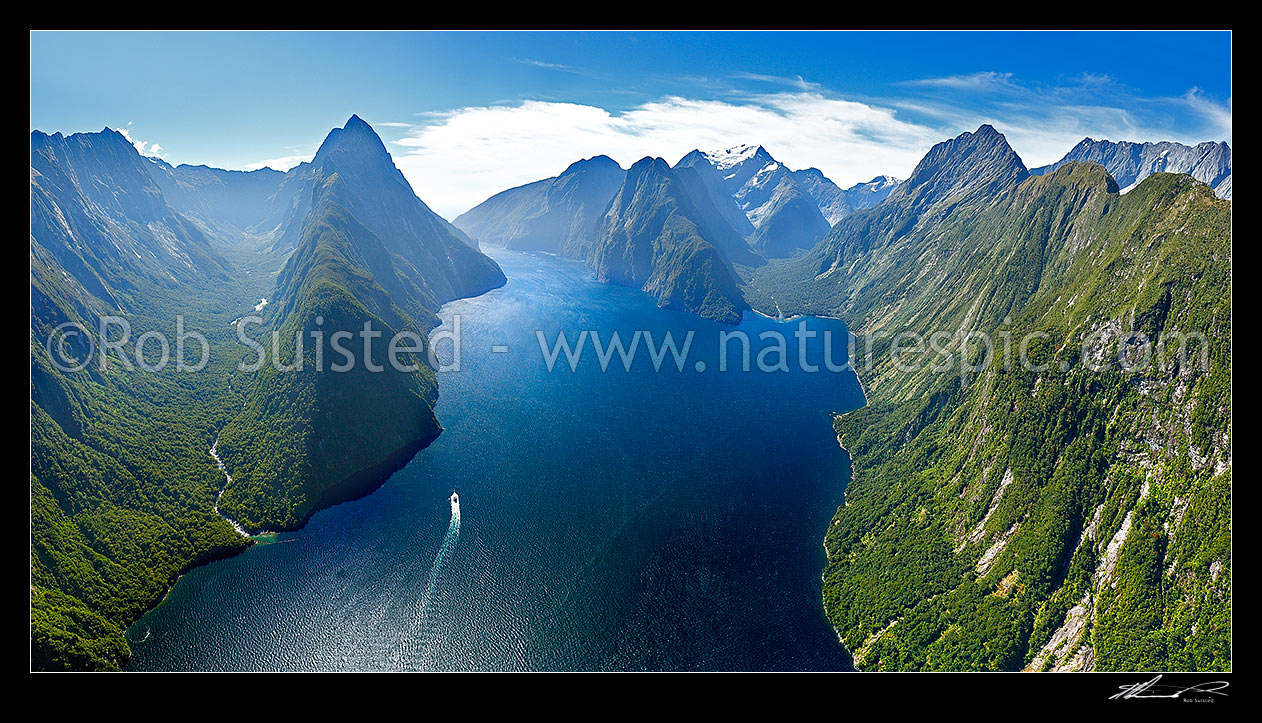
{"type": "Point", "coordinates": [796, 81]}
{"type": "Point", "coordinates": [456, 159]}
{"type": "Point", "coordinates": [145, 149]}
{"type": "Point", "coordinates": [283, 163]}
{"type": "Point", "coordinates": [464, 156]}
{"type": "Point", "coordinates": [1217, 116]}
{"type": "Point", "coordinates": [552, 66]}
{"type": "Point", "coordinates": [971, 81]}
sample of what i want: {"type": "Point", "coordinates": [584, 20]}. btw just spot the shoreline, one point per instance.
{"type": "Point", "coordinates": [828, 557]}
{"type": "Point", "coordinates": [795, 317]}
{"type": "Point", "coordinates": [361, 483]}
{"type": "Point", "coordinates": [220, 554]}
{"type": "Point", "coordinates": [845, 498]}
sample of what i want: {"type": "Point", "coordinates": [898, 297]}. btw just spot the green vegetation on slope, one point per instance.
{"type": "Point", "coordinates": [122, 484]}
{"type": "Point", "coordinates": [650, 238]}
{"type": "Point", "coordinates": [1004, 517]}
{"type": "Point", "coordinates": [123, 487]}
{"type": "Point", "coordinates": [309, 438]}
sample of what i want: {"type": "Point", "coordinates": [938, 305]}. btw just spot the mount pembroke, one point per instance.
{"type": "Point", "coordinates": [125, 493]}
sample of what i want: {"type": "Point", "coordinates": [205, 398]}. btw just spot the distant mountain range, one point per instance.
{"type": "Point", "coordinates": [787, 210]}
{"type": "Point", "coordinates": [1129, 163]}
{"type": "Point", "coordinates": [555, 215]}
{"type": "Point", "coordinates": [751, 208]}
{"type": "Point", "coordinates": [741, 202]}
{"type": "Point", "coordinates": [100, 224]}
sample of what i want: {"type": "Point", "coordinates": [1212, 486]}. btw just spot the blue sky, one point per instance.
{"type": "Point", "coordinates": [468, 114]}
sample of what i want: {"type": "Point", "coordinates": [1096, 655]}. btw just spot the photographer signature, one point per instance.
{"type": "Point", "coordinates": [1152, 689]}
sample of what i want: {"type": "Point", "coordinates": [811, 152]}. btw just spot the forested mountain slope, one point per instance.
{"type": "Point", "coordinates": [654, 235]}
{"type": "Point", "coordinates": [124, 490]}
{"type": "Point", "coordinates": [312, 436]}
{"type": "Point", "coordinates": [1071, 512]}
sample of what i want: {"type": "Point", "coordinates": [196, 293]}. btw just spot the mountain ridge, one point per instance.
{"type": "Point", "coordinates": [1130, 162]}
{"type": "Point", "coordinates": [991, 520]}
{"type": "Point", "coordinates": [650, 237]}
{"type": "Point", "coordinates": [555, 215]}
{"type": "Point", "coordinates": [125, 493]}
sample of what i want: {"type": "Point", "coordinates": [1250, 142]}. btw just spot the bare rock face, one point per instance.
{"type": "Point", "coordinates": [1129, 163]}
{"type": "Point", "coordinates": [779, 210]}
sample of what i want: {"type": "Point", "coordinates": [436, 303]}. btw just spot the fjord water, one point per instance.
{"type": "Point", "coordinates": [620, 520]}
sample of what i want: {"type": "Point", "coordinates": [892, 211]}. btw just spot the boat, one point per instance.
{"type": "Point", "coordinates": [455, 498]}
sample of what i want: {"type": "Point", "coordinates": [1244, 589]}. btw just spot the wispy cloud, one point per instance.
{"type": "Point", "coordinates": [1216, 115]}
{"type": "Point", "coordinates": [796, 81]}
{"type": "Point", "coordinates": [1043, 120]}
{"type": "Point", "coordinates": [552, 66]}
{"type": "Point", "coordinates": [972, 81]}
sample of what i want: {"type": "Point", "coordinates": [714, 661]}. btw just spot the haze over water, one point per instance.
{"type": "Point", "coordinates": [633, 520]}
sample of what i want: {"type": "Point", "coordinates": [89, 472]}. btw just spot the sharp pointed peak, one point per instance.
{"type": "Point", "coordinates": [356, 137]}
{"type": "Point", "coordinates": [694, 157]}
{"type": "Point", "coordinates": [112, 133]}
{"type": "Point", "coordinates": [985, 133]}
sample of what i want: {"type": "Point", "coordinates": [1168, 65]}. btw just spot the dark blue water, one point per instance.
{"type": "Point", "coordinates": [620, 520]}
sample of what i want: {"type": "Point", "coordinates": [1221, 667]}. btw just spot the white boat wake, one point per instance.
{"type": "Point", "coordinates": [417, 634]}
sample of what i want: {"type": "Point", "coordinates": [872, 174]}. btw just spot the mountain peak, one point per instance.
{"type": "Point", "coordinates": [356, 139]}
{"type": "Point", "coordinates": [357, 123]}
{"type": "Point", "coordinates": [985, 135]}
{"type": "Point", "coordinates": [647, 163]}
{"type": "Point", "coordinates": [981, 158]}
{"type": "Point", "coordinates": [593, 162]}
{"type": "Point", "coordinates": [736, 155]}
{"type": "Point", "coordinates": [111, 134]}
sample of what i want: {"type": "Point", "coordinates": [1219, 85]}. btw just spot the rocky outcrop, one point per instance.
{"type": "Point", "coordinates": [1129, 163]}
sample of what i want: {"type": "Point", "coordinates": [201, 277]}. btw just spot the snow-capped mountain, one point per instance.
{"type": "Point", "coordinates": [866, 195]}
{"type": "Point", "coordinates": [778, 209]}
